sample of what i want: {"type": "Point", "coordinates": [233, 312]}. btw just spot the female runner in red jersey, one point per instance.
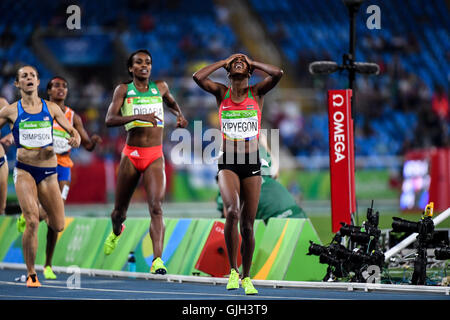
{"type": "Point", "coordinates": [239, 175]}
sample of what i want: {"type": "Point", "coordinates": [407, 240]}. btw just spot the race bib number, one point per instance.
{"type": "Point", "coordinates": [60, 141]}
{"type": "Point", "coordinates": [149, 105]}
{"type": "Point", "coordinates": [240, 124]}
{"type": "Point", "coordinates": [35, 134]}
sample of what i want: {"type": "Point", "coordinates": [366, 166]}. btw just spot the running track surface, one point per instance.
{"type": "Point", "coordinates": [115, 288]}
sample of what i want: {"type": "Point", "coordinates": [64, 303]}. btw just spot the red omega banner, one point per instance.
{"type": "Point", "coordinates": [342, 158]}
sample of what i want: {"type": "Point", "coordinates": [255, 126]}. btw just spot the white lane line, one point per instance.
{"type": "Point", "coordinates": [44, 297]}
{"type": "Point", "coordinates": [167, 292]}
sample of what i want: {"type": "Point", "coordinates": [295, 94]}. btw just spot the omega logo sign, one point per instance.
{"type": "Point", "coordinates": [338, 128]}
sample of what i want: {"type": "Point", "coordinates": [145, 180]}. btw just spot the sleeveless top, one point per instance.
{"type": "Point", "coordinates": [33, 130]}
{"type": "Point", "coordinates": [137, 102]}
{"type": "Point", "coordinates": [240, 121]}
{"type": "Point", "coordinates": [60, 142]}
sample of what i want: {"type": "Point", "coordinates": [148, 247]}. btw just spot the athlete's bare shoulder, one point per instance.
{"type": "Point", "coordinates": [122, 86]}
{"type": "Point", "coordinates": [121, 89]}
{"type": "Point", "coordinates": [162, 85]}
{"type": "Point", "coordinates": [48, 102]}
{"type": "Point", "coordinates": [51, 104]}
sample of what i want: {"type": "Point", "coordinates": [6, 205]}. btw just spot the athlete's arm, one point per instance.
{"type": "Point", "coordinates": [87, 142]}
{"type": "Point", "coordinates": [3, 103]}
{"type": "Point", "coordinates": [58, 115]}
{"type": "Point", "coordinates": [275, 74]}
{"type": "Point", "coordinates": [7, 140]}
{"type": "Point", "coordinates": [7, 114]}
{"type": "Point", "coordinates": [170, 102]}
{"type": "Point", "coordinates": [201, 77]}
{"type": "Point", "coordinates": [114, 118]}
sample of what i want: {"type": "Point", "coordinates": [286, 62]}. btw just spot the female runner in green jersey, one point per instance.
{"type": "Point", "coordinates": [138, 106]}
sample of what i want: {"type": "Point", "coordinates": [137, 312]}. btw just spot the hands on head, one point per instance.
{"type": "Point", "coordinates": [231, 58]}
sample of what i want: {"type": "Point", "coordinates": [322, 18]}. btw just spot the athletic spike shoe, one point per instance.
{"type": "Point", "coordinates": [248, 286]}
{"type": "Point", "coordinates": [158, 267]}
{"type": "Point", "coordinates": [233, 280]}
{"type": "Point", "coordinates": [32, 281]}
{"type": "Point", "coordinates": [111, 241]}
{"type": "Point", "coordinates": [21, 223]}
{"type": "Point", "coordinates": [49, 274]}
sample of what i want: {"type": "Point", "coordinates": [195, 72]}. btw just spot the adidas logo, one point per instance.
{"type": "Point", "coordinates": [131, 92]}
{"type": "Point", "coordinates": [135, 153]}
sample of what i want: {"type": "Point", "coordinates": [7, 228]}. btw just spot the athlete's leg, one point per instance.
{"type": "Point", "coordinates": [155, 187]}
{"type": "Point", "coordinates": [250, 192]}
{"type": "Point", "coordinates": [52, 236]}
{"type": "Point", "coordinates": [229, 186]}
{"type": "Point", "coordinates": [127, 180]}
{"type": "Point", "coordinates": [26, 191]}
{"type": "Point", "coordinates": [3, 186]}
{"type": "Point", "coordinates": [49, 196]}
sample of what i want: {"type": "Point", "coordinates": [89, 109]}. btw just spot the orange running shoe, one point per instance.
{"type": "Point", "coordinates": [32, 281]}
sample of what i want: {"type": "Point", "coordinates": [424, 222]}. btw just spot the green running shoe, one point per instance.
{"type": "Point", "coordinates": [158, 267]}
{"type": "Point", "coordinates": [248, 286]}
{"type": "Point", "coordinates": [21, 223]}
{"type": "Point", "coordinates": [48, 273]}
{"type": "Point", "coordinates": [111, 241]}
{"type": "Point", "coordinates": [233, 280]}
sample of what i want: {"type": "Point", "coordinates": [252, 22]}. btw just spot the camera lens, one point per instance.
{"type": "Point", "coordinates": [360, 237]}
{"type": "Point", "coordinates": [316, 249]}
{"type": "Point", "coordinates": [346, 229]}
{"type": "Point", "coordinates": [401, 225]}
{"type": "Point", "coordinates": [442, 253]}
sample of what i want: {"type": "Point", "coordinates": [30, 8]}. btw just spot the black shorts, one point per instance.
{"type": "Point", "coordinates": [244, 165]}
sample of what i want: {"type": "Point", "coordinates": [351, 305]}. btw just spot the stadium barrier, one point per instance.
{"type": "Point", "coordinates": [280, 246]}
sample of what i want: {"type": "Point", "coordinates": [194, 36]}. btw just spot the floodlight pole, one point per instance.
{"type": "Point", "coordinates": [349, 59]}
{"type": "Point", "coordinates": [349, 64]}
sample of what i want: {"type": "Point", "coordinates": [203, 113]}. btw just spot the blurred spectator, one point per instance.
{"type": "Point", "coordinates": [8, 69]}
{"type": "Point", "coordinates": [186, 44]}
{"type": "Point", "coordinates": [430, 130]}
{"type": "Point", "coordinates": [216, 47]}
{"type": "Point", "coordinates": [398, 43]}
{"type": "Point", "coordinates": [280, 34]}
{"type": "Point", "coordinates": [146, 22]}
{"type": "Point", "coordinates": [222, 12]}
{"type": "Point", "coordinates": [7, 38]}
{"type": "Point", "coordinates": [8, 91]}
{"type": "Point", "coordinates": [439, 103]}
{"type": "Point", "coordinates": [291, 123]}
{"type": "Point", "coordinates": [94, 92]}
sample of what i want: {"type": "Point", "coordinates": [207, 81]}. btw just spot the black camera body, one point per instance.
{"type": "Point", "coordinates": [362, 250]}
{"type": "Point", "coordinates": [425, 238]}
{"type": "Point", "coordinates": [442, 253]}
{"type": "Point", "coordinates": [425, 228]}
